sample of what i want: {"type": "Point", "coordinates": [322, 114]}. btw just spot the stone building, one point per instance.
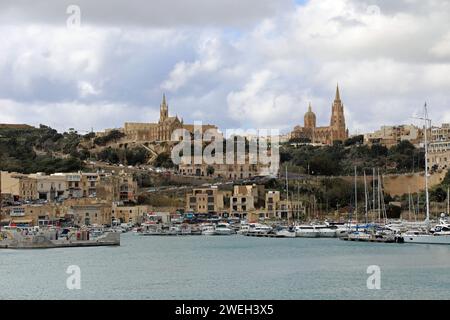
{"type": "Point", "coordinates": [390, 136]}
{"type": "Point", "coordinates": [205, 200]}
{"type": "Point", "coordinates": [89, 214]}
{"type": "Point", "coordinates": [19, 187]}
{"type": "Point", "coordinates": [282, 209]}
{"type": "Point", "coordinates": [336, 131]}
{"type": "Point", "coordinates": [160, 131]}
{"type": "Point", "coordinates": [129, 214]}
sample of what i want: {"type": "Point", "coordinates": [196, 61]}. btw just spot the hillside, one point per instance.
{"type": "Point", "coordinates": [43, 149]}
{"type": "Point", "coordinates": [341, 159]}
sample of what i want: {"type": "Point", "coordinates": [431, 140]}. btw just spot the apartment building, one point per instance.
{"type": "Point", "coordinates": [206, 200]}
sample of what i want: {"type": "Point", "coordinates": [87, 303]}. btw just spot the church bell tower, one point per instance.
{"type": "Point", "coordinates": [163, 110]}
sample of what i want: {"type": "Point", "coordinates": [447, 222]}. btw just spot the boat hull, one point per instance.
{"type": "Point", "coordinates": [426, 239]}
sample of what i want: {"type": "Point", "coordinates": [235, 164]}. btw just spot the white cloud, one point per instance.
{"type": "Point", "coordinates": [86, 89]}
{"type": "Point", "coordinates": [387, 62]}
{"type": "Point", "coordinates": [83, 117]}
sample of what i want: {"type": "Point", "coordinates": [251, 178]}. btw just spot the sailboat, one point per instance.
{"type": "Point", "coordinates": [440, 234]}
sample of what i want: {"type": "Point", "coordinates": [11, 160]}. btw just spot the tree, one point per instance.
{"type": "Point", "coordinates": [210, 170]}
{"type": "Point", "coordinates": [356, 140]}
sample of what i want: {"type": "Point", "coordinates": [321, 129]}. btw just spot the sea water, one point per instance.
{"type": "Point", "coordinates": [228, 267]}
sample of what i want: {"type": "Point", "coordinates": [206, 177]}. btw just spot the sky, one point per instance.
{"type": "Point", "coordinates": [251, 64]}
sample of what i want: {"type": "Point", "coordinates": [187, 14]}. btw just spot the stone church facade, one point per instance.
{"type": "Point", "coordinates": [160, 131]}
{"type": "Point", "coordinates": [336, 131]}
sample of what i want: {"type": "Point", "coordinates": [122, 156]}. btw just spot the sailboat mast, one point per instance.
{"type": "Point", "coordinates": [287, 196]}
{"type": "Point", "coordinates": [373, 190]}
{"type": "Point", "coordinates": [427, 196]}
{"type": "Point", "coordinates": [356, 199]}
{"type": "Point", "coordinates": [365, 195]}
{"type": "Point", "coordinates": [409, 203]}
{"type": "Point", "coordinates": [379, 196]}
{"type": "Point", "coordinates": [448, 200]}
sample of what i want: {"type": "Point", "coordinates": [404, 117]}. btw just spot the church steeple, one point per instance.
{"type": "Point", "coordinates": [163, 109]}
{"type": "Point", "coordinates": [338, 95]}
{"type": "Point", "coordinates": [310, 118]}
{"type": "Point", "coordinates": [337, 122]}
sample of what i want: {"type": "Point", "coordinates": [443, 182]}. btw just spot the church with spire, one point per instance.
{"type": "Point", "coordinates": [336, 131]}
{"type": "Point", "coordinates": [160, 131]}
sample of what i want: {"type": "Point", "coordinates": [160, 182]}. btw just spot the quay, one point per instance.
{"type": "Point", "coordinates": [43, 242]}
{"type": "Point", "coordinates": [374, 239]}
{"type": "Point", "coordinates": [263, 235]}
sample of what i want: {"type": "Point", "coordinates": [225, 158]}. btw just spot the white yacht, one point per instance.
{"type": "Point", "coordinates": [306, 231]}
{"type": "Point", "coordinates": [440, 234]}
{"type": "Point", "coordinates": [243, 229]}
{"type": "Point", "coordinates": [208, 230]}
{"type": "Point", "coordinates": [315, 231]}
{"type": "Point", "coordinates": [286, 232]}
{"type": "Point", "coordinates": [258, 228]}
{"type": "Point", "coordinates": [223, 229]}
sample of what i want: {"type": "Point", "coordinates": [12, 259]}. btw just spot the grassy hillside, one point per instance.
{"type": "Point", "coordinates": [40, 149]}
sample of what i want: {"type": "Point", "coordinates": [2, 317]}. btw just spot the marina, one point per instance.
{"type": "Point", "coordinates": [232, 267]}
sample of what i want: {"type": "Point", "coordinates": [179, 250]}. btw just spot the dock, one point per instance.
{"type": "Point", "coordinates": [43, 242]}
{"type": "Point", "coordinates": [374, 239]}
{"type": "Point", "coordinates": [263, 235]}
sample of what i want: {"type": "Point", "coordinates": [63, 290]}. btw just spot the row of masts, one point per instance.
{"type": "Point", "coordinates": [376, 204]}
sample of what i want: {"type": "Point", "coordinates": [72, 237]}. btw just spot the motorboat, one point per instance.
{"type": "Point", "coordinates": [258, 228]}
{"type": "Point", "coordinates": [208, 230]}
{"type": "Point", "coordinates": [285, 232]}
{"type": "Point", "coordinates": [243, 229]}
{"type": "Point", "coordinates": [223, 229]}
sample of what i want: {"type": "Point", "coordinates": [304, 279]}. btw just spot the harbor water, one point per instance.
{"type": "Point", "coordinates": [228, 267]}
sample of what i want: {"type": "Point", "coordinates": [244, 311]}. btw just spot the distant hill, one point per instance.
{"type": "Point", "coordinates": [28, 149]}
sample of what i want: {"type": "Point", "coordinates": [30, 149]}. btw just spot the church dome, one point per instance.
{"type": "Point", "coordinates": [310, 118]}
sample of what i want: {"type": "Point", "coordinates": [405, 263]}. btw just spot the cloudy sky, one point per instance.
{"type": "Point", "coordinates": [234, 63]}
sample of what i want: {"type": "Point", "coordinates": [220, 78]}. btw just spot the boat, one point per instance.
{"type": "Point", "coordinates": [258, 229]}
{"type": "Point", "coordinates": [306, 231]}
{"type": "Point", "coordinates": [315, 231]}
{"type": "Point", "coordinates": [223, 229]}
{"type": "Point", "coordinates": [285, 232]}
{"type": "Point", "coordinates": [208, 230]}
{"type": "Point", "coordinates": [440, 233]}
{"type": "Point", "coordinates": [243, 229]}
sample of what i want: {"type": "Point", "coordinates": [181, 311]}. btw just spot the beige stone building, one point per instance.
{"type": "Point", "coordinates": [336, 131]}
{"type": "Point", "coordinates": [89, 214]}
{"type": "Point", "coordinates": [246, 199]}
{"type": "Point", "coordinates": [442, 133]}
{"type": "Point", "coordinates": [206, 200]}
{"type": "Point", "coordinates": [18, 186]}
{"type": "Point", "coordinates": [129, 214]}
{"type": "Point", "coordinates": [439, 148]}
{"type": "Point", "coordinates": [390, 136]}
{"type": "Point", "coordinates": [282, 209]}
{"type": "Point", "coordinates": [160, 131]}
{"type": "Point", "coordinates": [33, 214]}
